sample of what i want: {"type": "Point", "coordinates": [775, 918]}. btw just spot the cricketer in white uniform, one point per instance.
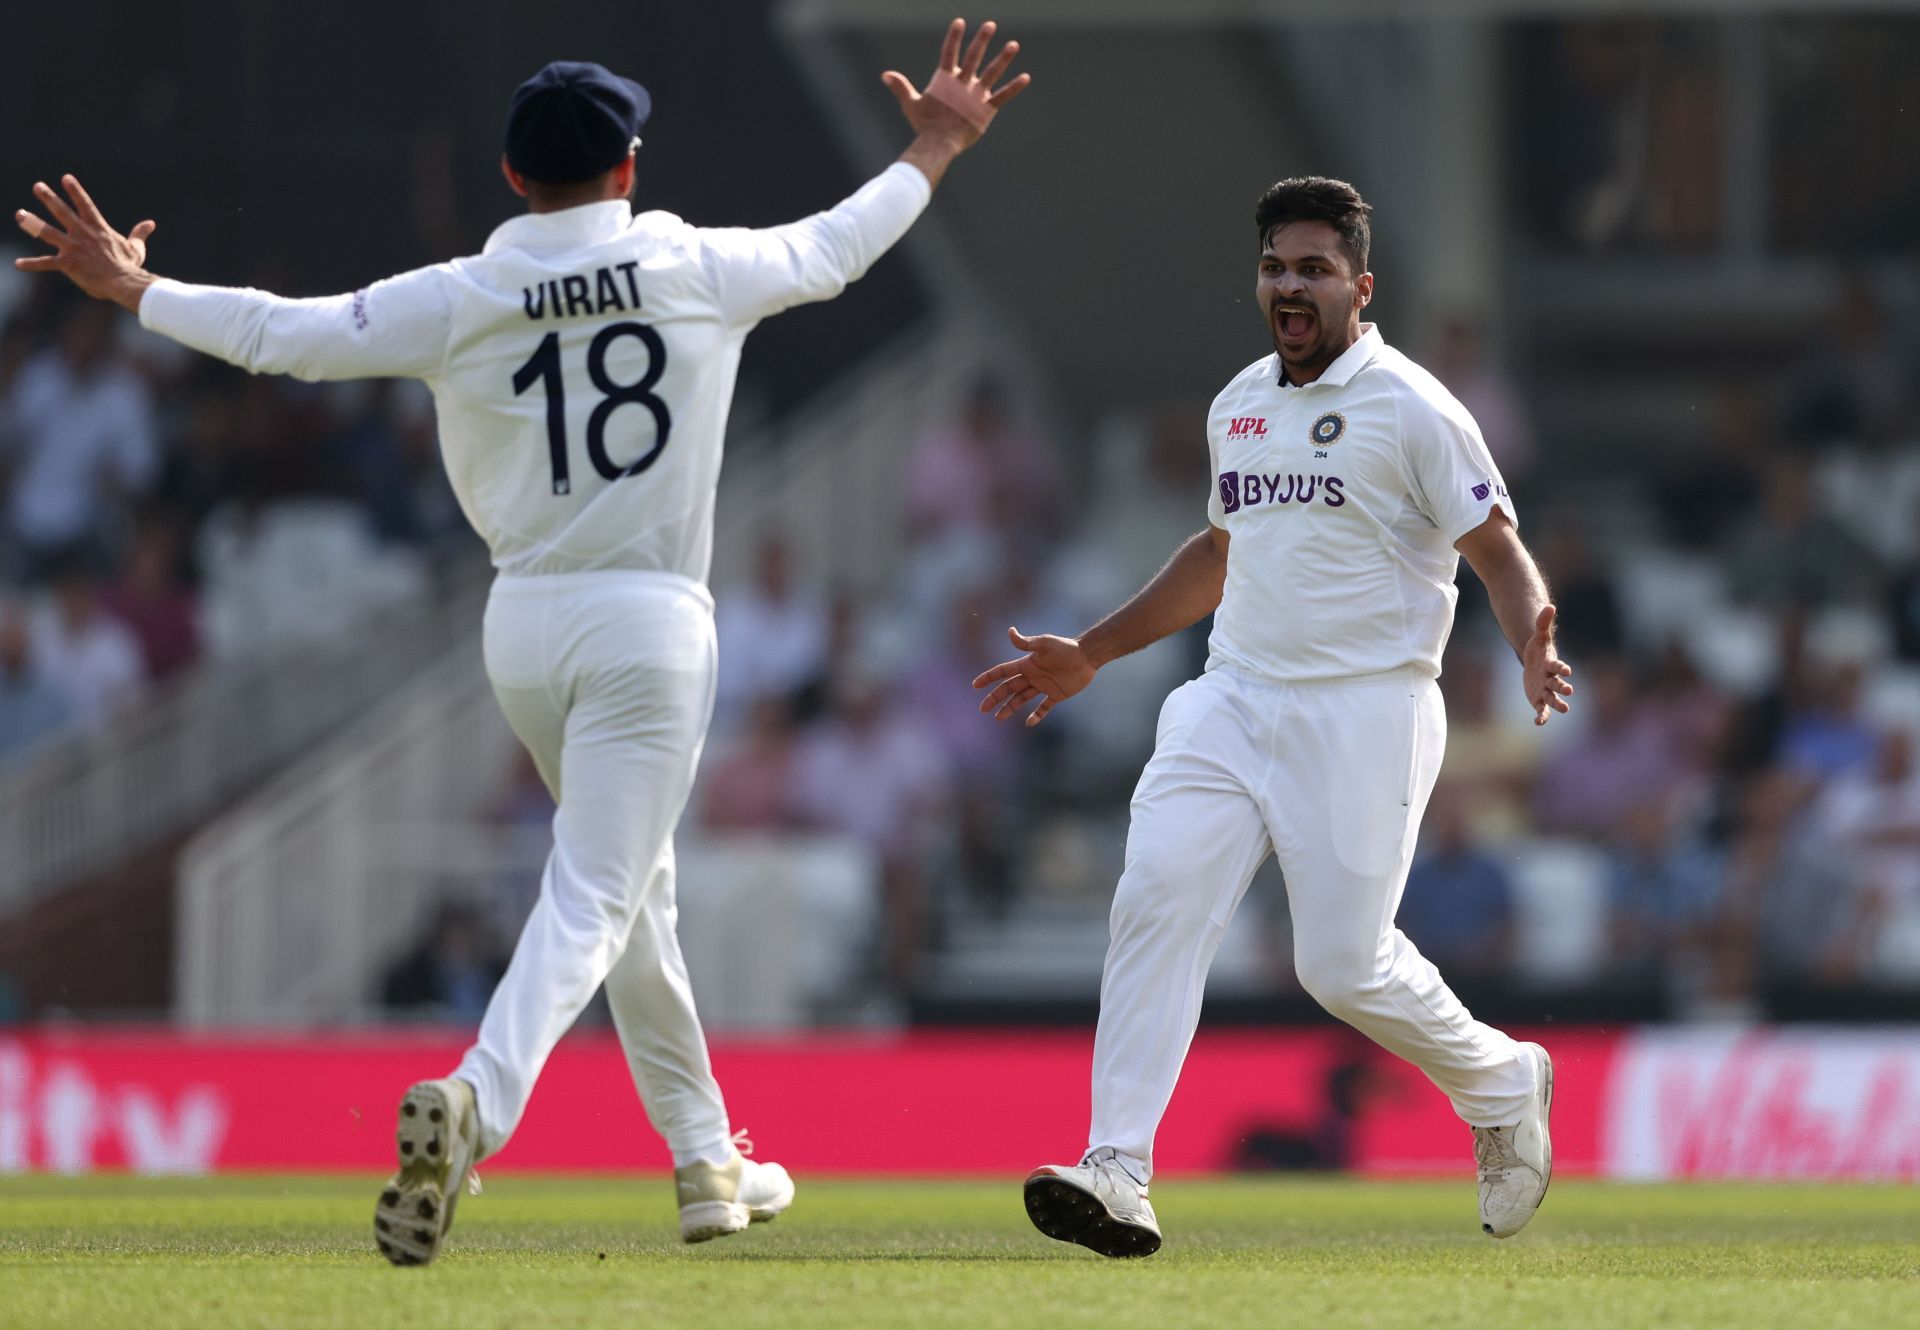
{"type": "Point", "coordinates": [1345, 480]}
{"type": "Point", "coordinates": [582, 366]}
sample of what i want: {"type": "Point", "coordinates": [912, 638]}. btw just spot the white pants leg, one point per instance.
{"type": "Point", "coordinates": [608, 680]}
{"type": "Point", "coordinates": [1334, 777]}
{"type": "Point", "coordinates": [1357, 763]}
{"type": "Point", "coordinates": [1195, 839]}
{"type": "Point", "coordinates": [652, 1003]}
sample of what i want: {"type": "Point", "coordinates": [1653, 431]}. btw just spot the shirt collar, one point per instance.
{"type": "Point", "coordinates": [1347, 364]}
{"type": "Point", "coordinates": [569, 228]}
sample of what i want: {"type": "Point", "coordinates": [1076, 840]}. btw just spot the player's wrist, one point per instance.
{"type": "Point", "coordinates": [1097, 647]}
{"type": "Point", "coordinates": [129, 288]}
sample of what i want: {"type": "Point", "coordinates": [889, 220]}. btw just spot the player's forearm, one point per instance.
{"type": "Point", "coordinates": [931, 154]}
{"type": "Point", "coordinates": [1181, 594]}
{"type": "Point", "coordinates": [1516, 589]}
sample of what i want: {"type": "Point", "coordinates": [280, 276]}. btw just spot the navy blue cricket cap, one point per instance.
{"type": "Point", "coordinates": [572, 121]}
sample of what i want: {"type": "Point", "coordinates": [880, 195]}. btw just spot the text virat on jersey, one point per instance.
{"type": "Point", "coordinates": [580, 295]}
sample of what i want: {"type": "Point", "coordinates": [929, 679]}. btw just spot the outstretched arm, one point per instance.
{"type": "Point", "coordinates": [392, 329]}
{"type": "Point", "coordinates": [758, 273]}
{"type": "Point", "coordinates": [1181, 594]}
{"type": "Point", "coordinates": [1524, 608]}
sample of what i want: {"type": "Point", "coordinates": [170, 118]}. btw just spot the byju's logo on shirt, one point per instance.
{"type": "Point", "coordinates": [1247, 427]}
{"type": "Point", "coordinates": [1487, 487]}
{"type": "Point", "coordinates": [1239, 491]}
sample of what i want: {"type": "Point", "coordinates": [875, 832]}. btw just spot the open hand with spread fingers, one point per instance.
{"type": "Point", "coordinates": [960, 100]}
{"type": "Point", "coordinates": [1053, 670]}
{"type": "Point", "coordinates": [94, 256]}
{"type": "Point", "coordinates": [1546, 677]}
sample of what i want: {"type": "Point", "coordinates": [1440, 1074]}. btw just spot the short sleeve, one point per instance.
{"type": "Point", "coordinates": [1454, 479]}
{"type": "Point", "coordinates": [1216, 506]}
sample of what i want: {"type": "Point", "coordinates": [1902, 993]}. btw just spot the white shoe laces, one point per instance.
{"type": "Point", "coordinates": [742, 1142]}
{"type": "Point", "coordinates": [473, 1182]}
{"type": "Point", "coordinates": [1493, 1149]}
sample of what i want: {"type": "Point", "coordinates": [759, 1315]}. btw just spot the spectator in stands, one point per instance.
{"type": "Point", "coordinates": [1490, 763]}
{"type": "Point", "coordinates": [1873, 818]}
{"type": "Point", "coordinates": [1696, 714]}
{"type": "Point", "coordinates": [152, 601]}
{"type": "Point", "coordinates": [955, 473]}
{"type": "Point", "coordinates": [374, 459]}
{"type": "Point", "coordinates": [772, 634]}
{"type": "Point", "coordinates": [1856, 383]}
{"type": "Point", "coordinates": [1754, 729]}
{"type": "Point", "coordinates": [1791, 554]}
{"type": "Point", "coordinates": [872, 771]}
{"type": "Point", "coordinates": [451, 973]}
{"type": "Point", "coordinates": [1826, 737]}
{"type": "Point", "coordinates": [83, 440]}
{"type": "Point", "coordinates": [1664, 899]}
{"type": "Point", "coordinates": [1458, 904]}
{"type": "Point", "coordinates": [1712, 487]}
{"type": "Point", "coordinates": [984, 759]}
{"type": "Point", "coordinates": [1491, 397]}
{"type": "Point", "coordinates": [1622, 756]}
{"type": "Point", "coordinates": [938, 687]}
{"type": "Point", "coordinates": [1809, 917]}
{"type": "Point", "coordinates": [32, 708]}
{"type": "Point", "coordinates": [751, 786]}
{"type": "Point", "coordinates": [198, 474]}
{"type": "Point", "coordinates": [1590, 622]}
{"type": "Point", "coordinates": [1903, 598]}
{"type": "Point", "coordinates": [93, 659]}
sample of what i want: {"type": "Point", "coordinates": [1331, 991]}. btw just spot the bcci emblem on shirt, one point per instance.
{"type": "Point", "coordinates": [1327, 429]}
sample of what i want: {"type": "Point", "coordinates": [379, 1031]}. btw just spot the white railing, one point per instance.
{"type": "Point", "coordinates": [286, 903]}
{"type": "Point", "coordinates": [83, 803]}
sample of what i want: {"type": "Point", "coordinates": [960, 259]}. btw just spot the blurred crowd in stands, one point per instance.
{"type": "Point", "coordinates": [138, 486]}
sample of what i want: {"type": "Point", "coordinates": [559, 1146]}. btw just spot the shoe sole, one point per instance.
{"type": "Point", "coordinates": [1546, 1136]}
{"type": "Point", "coordinates": [1067, 1212]}
{"type": "Point", "coordinates": [415, 1210]}
{"type": "Point", "coordinates": [706, 1220]}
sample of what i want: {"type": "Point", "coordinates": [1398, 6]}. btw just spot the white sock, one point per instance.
{"type": "Point", "coordinates": [719, 1154]}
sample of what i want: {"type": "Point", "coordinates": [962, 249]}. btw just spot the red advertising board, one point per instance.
{"type": "Point", "coordinates": [987, 1102]}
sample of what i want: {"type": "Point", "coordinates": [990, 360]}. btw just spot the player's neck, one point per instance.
{"type": "Point", "coordinates": [1299, 376]}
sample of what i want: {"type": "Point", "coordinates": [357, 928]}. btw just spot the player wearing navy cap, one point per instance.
{"type": "Point", "coordinates": [1347, 483]}
{"type": "Point", "coordinates": [582, 366]}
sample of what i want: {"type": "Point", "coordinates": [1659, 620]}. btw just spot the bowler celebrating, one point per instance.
{"type": "Point", "coordinates": [582, 366]}
{"type": "Point", "coordinates": [1345, 480]}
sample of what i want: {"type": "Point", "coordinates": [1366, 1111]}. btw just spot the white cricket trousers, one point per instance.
{"type": "Point", "coordinates": [1333, 778]}
{"type": "Point", "coordinates": [607, 678]}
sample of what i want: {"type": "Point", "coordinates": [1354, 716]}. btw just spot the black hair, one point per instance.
{"type": "Point", "coordinates": [1316, 198]}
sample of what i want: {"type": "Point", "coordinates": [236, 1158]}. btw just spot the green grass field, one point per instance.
{"type": "Point", "coordinates": [296, 1252]}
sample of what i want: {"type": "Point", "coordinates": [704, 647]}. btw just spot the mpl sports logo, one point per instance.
{"type": "Point", "coordinates": [1247, 427]}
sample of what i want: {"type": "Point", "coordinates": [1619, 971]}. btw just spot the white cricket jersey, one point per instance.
{"type": "Point", "coordinates": [582, 365]}
{"type": "Point", "coordinates": [1343, 498]}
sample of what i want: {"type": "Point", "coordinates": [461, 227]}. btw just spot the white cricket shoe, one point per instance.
{"type": "Point", "coordinates": [1095, 1203]}
{"type": "Point", "coordinates": [1516, 1163]}
{"type": "Point", "coordinates": [719, 1200]}
{"type": "Point", "coordinates": [439, 1134]}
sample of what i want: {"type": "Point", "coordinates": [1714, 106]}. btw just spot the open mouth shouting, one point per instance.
{"type": "Point", "coordinates": [1295, 325]}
